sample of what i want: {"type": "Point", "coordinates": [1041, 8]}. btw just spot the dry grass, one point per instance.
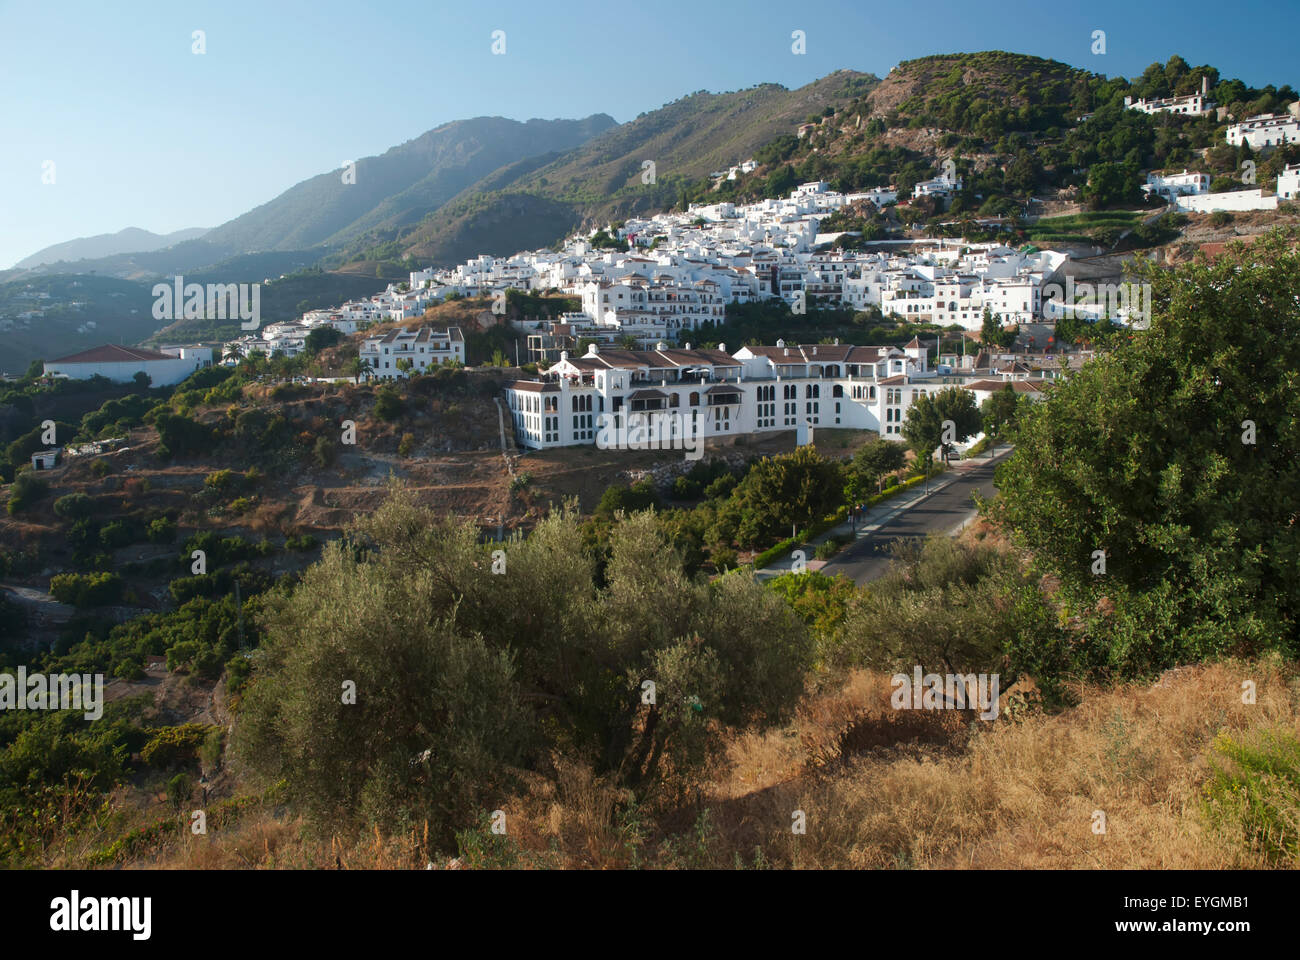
{"type": "Point", "coordinates": [928, 790]}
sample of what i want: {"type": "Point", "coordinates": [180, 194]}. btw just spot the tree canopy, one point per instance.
{"type": "Point", "coordinates": [1160, 484]}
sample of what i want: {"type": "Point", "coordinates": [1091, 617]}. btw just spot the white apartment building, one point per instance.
{"type": "Point", "coordinates": [710, 394]}
{"type": "Point", "coordinates": [1265, 130]}
{"type": "Point", "coordinates": [424, 347]}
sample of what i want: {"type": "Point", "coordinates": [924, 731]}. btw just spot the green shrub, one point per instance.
{"type": "Point", "coordinates": [827, 548]}
{"type": "Point", "coordinates": [115, 534]}
{"type": "Point", "coordinates": [179, 789]}
{"type": "Point", "coordinates": [324, 452]}
{"type": "Point", "coordinates": [175, 746]}
{"type": "Point", "coordinates": [721, 487]}
{"type": "Point", "coordinates": [74, 506]}
{"type": "Point", "coordinates": [684, 488]}
{"type": "Point", "coordinates": [161, 530]}
{"type": "Point", "coordinates": [210, 749]}
{"type": "Point", "coordinates": [100, 469]}
{"type": "Point", "coordinates": [26, 490]}
{"type": "Point", "coordinates": [222, 480]}
{"type": "Point", "coordinates": [87, 589]}
{"type": "Point", "coordinates": [388, 405]}
{"type": "Point", "coordinates": [1254, 798]}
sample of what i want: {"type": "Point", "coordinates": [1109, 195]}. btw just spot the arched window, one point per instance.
{"type": "Point", "coordinates": [695, 399]}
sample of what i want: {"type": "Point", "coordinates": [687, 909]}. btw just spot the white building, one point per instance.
{"type": "Point", "coordinates": [121, 364]}
{"type": "Point", "coordinates": [1234, 200]}
{"type": "Point", "coordinates": [709, 394]}
{"type": "Point", "coordinates": [1288, 183]}
{"type": "Point", "coordinates": [1265, 130]}
{"type": "Point", "coordinates": [424, 347]}
{"type": "Point", "coordinates": [941, 186]}
{"type": "Point", "coordinates": [1174, 185]}
{"type": "Point", "coordinates": [1195, 105]}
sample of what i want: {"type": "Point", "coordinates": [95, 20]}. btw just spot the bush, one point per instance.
{"type": "Point", "coordinates": [210, 749]}
{"type": "Point", "coordinates": [100, 469]}
{"type": "Point", "coordinates": [828, 548]}
{"type": "Point", "coordinates": [639, 496]}
{"type": "Point", "coordinates": [559, 656]}
{"type": "Point", "coordinates": [721, 487]}
{"type": "Point", "coordinates": [179, 435]}
{"type": "Point", "coordinates": [388, 405]}
{"type": "Point", "coordinates": [161, 530]}
{"type": "Point", "coordinates": [87, 589]}
{"type": "Point", "coordinates": [179, 790]}
{"type": "Point", "coordinates": [684, 488]}
{"type": "Point", "coordinates": [26, 490]}
{"type": "Point", "coordinates": [74, 506]}
{"type": "Point", "coordinates": [407, 445]}
{"type": "Point", "coordinates": [222, 480]}
{"type": "Point", "coordinates": [324, 452]}
{"type": "Point", "coordinates": [115, 534]}
{"type": "Point", "coordinates": [301, 543]}
{"type": "Point", "coordinates": [175, 746]}
{"type": "Point", "coordinates": [1255, 797]}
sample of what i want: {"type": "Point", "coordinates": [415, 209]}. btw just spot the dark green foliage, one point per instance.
{"type": "Point", "coordinates": [25, 491]}
{"type": "Point", "coordinates": [388, 404]}
{"type": "Point", "coordinates": [797, 489]}
{"type": "Point", "coordinates": [1146, 454]}
{"type": "Point", "coordinates": [639, 496]}
{"type": "Point", "coordinates": [179, 436]}
{"type": "Point", "coordinates": [500, 669]}
{"type": "Point", "coordinates": [87, 589]}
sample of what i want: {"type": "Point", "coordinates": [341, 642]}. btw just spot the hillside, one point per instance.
{"type": "Point", "coordinates": [602, 180]}
{"type": "Point", "coordinates": [1028, 137]}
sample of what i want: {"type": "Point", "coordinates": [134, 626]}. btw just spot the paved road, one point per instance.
{"type": "Point", "coordinates": [941, 512]}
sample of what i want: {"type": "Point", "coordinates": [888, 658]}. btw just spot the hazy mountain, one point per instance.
{"type": "Point", "coordinates": [130, 240]}
{"type": "Point", "coordinates": [400, 186]}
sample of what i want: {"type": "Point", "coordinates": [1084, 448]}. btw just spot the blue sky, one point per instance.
{"type": "Point", "coordinates": [143, 132]}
